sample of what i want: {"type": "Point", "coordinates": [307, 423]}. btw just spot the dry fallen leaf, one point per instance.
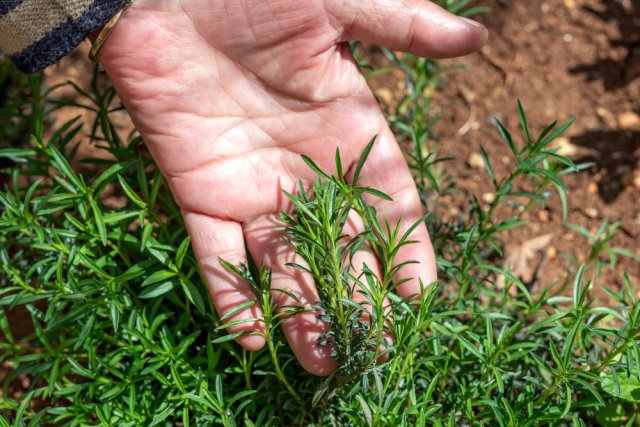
{"type": "Point", "coordinates": [521, 262]}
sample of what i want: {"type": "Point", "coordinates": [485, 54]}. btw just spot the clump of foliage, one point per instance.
{"type": "Point", "coordinates": [122, 332]}
{"type": "Point", "coordinates": [357, 329]}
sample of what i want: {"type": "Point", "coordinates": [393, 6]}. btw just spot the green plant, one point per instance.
{"type": "Point", "coordinates": [122, 332]}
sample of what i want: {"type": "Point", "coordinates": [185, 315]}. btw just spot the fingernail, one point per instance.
{"type": "Point", "coordinates": [475, 24]}
{"type": "Point", "coordinates": [472, 22]}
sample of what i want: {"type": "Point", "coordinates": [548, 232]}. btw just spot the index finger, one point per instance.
{"type": "Point", "coordinates": [417, 26]}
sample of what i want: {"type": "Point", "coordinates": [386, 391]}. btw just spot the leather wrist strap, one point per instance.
{"type": "Point", "coordinates": [106, 31]}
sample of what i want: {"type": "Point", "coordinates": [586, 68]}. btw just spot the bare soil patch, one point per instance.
{"type": "Point", "coordinates": [561, 58]}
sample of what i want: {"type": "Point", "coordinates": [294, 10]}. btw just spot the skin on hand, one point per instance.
{"type": "Point", "coordinates": [228, 94]}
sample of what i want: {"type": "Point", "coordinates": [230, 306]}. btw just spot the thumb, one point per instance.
{"type": "Point", "coordinates": [417, 26]}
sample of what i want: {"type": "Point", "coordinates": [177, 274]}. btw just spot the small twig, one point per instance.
{"type": "Point", "coordinates": [467, 126]}
{"type": "Point", "coordinates": [486, 54]}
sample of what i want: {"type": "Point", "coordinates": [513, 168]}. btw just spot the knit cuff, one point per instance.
{"type": "Point", "coordinates": [66, 36]}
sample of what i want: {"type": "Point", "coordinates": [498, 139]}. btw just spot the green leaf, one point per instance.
{"type": "Point", "coordinates": [193, 294]}
{"type": "Point", "coordinates": [113, 392]}
{"type": "Point", "coordinates": [241, 395]}
{"type": "Point", "coordinates": [557, 133]}
{"type": "Point", "coordinates": [543, 134]}
{"type": "Point", "coordinates": [92, 265]}
{"type": "Point", "coordinates": [339, 164]}
{"type": "Point", "coordinates": [97, 215]}
{"type": "Point", "coordinates": [237, 322]}
{"type": "Point", "coordinates": [131, 194]}
{"type": "Point", "coordinates": [26, 400]}
{"type": "Point", "coordinates": [79, 369]}
{"type": "Point", "coordinates": [621, 385]}
{"type": "Point", "coordinates": [470, 347]}
{"type": "Point", "coordinates": [524, 124]}
{"type": "Point", "coordinates": [116, 217]}
{"type": "Point", "coordinates": [161, 416]}
{"type": "Point", "coordinates": [159, 276]}
{"type": "Point", "coordinates": [366, 411]}
{"type": "Point", "coordinates": [17, 154]}
{"type": "Point", "coordinates": [231, 337]}
{"type": "Point", "coordinates": [135, 271]}
{"type": "Point", "coordinates": [314, 167]}
{"type": "Point", "coordinates": [562, 193]}
{"type": "Point", "coordinates": [237, 309]}
{"type": "Point", "coordinates": [106, 176]}
{"type": "Point", "coordinates": [612, 415]}
{"type": "Point", "coordinates": [155, 291]}
{"type": "Point", "coordinates": [377, 193]}
{"type": "Point", "coordinates": [65, 168]}
{"type": "Point", "coordinates": [182, 251]}
{"type": "Point", "coordinates": [146, 235]}
{"type": "Point", "coordinates": [553, 177]}
{"type": "Point", "coordinates": [362, 160]}
{"type": "Point", "coordinates": [578, 295]}
{"type": "Point", "coordinates": [504, 133]}
{"type": "Point", "coordinates": [488, 167]}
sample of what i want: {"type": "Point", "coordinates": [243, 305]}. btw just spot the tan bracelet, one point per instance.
{"type": "Point", "coordinates": [106, 31]}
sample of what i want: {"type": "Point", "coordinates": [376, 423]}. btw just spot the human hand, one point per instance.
{"type": "Point", "coordinates": [228, 94]}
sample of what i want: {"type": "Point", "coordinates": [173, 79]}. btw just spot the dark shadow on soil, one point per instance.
{"type": "Point", "coordinates": [497, 14]}
{"type": "Point", "coordinates": [617, 73]}
{"type": "Point", "coordinates": [616, 154]}
{"type": "Point", "coordinates": [5, 169]}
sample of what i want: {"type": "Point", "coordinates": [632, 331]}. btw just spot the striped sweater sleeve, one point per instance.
{"type": "Point", "coordinates": [37, 33]}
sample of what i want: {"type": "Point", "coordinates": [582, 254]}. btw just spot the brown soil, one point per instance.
{"type": "Point", "coordinates": [561, 58]}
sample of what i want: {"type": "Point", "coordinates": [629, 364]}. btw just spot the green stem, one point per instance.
{"type": "Point", "coordinates": [611, 356]}
{"type": "Point", "coordinates": [556, 383]}
{"type": "Point", "coordinates": [339, 286]}
{"type": "Point", "coordinates": [276, 364]}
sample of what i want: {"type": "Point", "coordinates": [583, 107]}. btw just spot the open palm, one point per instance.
{"type": "Point", "coordinates": [228, 93]}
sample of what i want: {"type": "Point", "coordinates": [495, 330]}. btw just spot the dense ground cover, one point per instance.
{"type": "Point", "coordinates": [119, 328]}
